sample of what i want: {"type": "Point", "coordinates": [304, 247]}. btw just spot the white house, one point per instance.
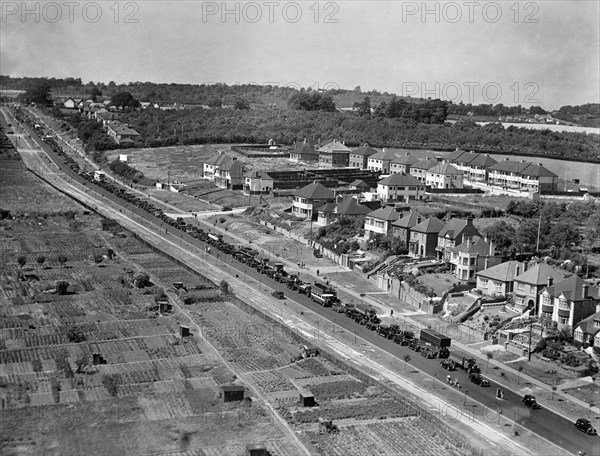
{"type": "Point", "coordinates": [400, 187]}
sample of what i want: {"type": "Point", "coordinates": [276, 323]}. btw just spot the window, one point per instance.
{"type": "Point", "coordinates": [520, 300]}
{"type": "Point", "coordinates": [597, 323]}
{"type": "Point", "coordinates": [563, 304]}
{"type": "Point", "coordinates": [483, 282]}
{"type": "Point", "coordinates": [473, 261]}
{"type": "Point", "coordinates": [546, 300]}
{"type": "Point", "coordinates": [497, 287]}
{"type": "Point", "coordinates": [563, 320]}
{"type": "Point", "coordinates": [521, 286]}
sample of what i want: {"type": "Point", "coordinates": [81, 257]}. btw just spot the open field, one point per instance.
{"type": "Point", "coordinates": [587, 393]}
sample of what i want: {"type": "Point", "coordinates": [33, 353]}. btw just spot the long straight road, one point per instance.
{"type": "Point", "coordinates": [545, 423]}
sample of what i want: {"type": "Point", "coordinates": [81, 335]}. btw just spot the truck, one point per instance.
{"type": "Point", "coordinates": [365, 311]}
{"type": "Point", "coordinates": [437, 341]}
{"type": "Point", "coordinates": [322, 294]}
{"type": "Point", "coordinates": [304, 288]}
{"type": "Point", "coordinates": [467, 364]}
{"type": "Point", "coordinates": [99, 176]}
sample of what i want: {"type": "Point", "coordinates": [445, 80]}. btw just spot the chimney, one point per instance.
{"type": "Point", "coordinates": [550, 281]}
{"type": "Point", "coordinates": [469, 220]}
{"type": "Point", "coordinates": [304, 140]}
{"type": "Point", "coordinates": [492, 249]}
{"type": "Point", "coordinates": [486, 263]}
{"type": "Point", "coordinates": [525, 266]}
{"type": "Point", "coordinates": [586, 290]}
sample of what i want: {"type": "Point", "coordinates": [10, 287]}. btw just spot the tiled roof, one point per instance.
{"type": "Point", "coordinates": [483, 161]}
{"type": "Point", "coordinates": [314, 191]}
{"type": "Point", "coordinates": [234, 168]}
{"type": "Point", "coordinates": [408, 221]}
{"type": "Point", "coordinates": [335, 146]}
{"type": "Point", "coordinates": [457, 156]}
{"type": "Point", "coordinates": [477, 245]}
{"type": "Point", "coordinates": [503, 272]}
{"type": "Point", "coordinates": [444, 168]}
{"type": "Point", "coordinates": [349, 206]}
{"type": "Point", "coordinates": [218, 159]}
{"type": "Point", "coordinates": [572, 289]}
{"type": "Point", "coordinates": [386, 154]}
{"type": "Point", "coordinates": [400, 179]}
{"type": "Point", "coordinates": [328, 208]}
{"type": "Point", "coordinates": [523, 168]}
{"type": "Point", "coordinates": [454, 227]}
{"type": "Point", "coordinates": [360, 183]}
{"type": "Point", "coordinates": [406, 159]}
{"type": "Point", "coordinates": [425, 164]}
{"type": "Point", "coordinates": [431, 225]}
{"type": "Point", "coordinates": [538, 275]}
{"type": "Point", "coordinates": [364, 151]}
{"type": "Point", "coordinates": [385, 213]}
{"type": "Point", "coordinates": [588, 326]}
{"type": "Point", "coordinates": [258, 174]}
{"type": "Point", "coordinates": [304, 149]}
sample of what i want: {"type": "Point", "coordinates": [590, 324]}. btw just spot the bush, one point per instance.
{"type": "Point", "coordinates": [61, 287]}
{"type": "Point", "coordinates": [111, 383]}
{"type": "Point", "coordinates": [75, 334]}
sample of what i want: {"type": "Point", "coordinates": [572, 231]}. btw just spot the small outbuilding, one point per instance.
{"type": "Point", "coordinates": [232, 393]}
{"type": "Point", "coordinates": [307, 398]}
{"type": "Point", "coordinates": [184, 331]}
{"type": "Point", "coordinates": [253, 449]}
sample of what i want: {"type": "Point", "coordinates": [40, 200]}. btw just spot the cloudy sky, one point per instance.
{"type": "Point", "coordinates": [544, 52]}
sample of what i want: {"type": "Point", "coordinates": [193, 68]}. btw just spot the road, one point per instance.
{"type": "Point", "coordinates": [543, 422]}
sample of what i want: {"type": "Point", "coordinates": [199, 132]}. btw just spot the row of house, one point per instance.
{"type": "Point", "coordinates": [549, 292]}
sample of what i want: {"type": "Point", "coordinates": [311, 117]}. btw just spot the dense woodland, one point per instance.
{"type": "Point", "coordinates": [381, 122]}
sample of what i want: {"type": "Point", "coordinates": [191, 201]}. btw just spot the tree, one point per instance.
{"type": "Point", "coordinates": [363, 107]}
{"type": "Point", "coordinates": [215, 102]}
{"type": "Point", "coordinates": [224, 288]}
{"type": "Point", "coordinates": [241, 104]}
{"type": "Point", "coordinates": [22, 260]}
{"type": "Point", "coordinates": [98, 259]}
{"type": "Point", "coordinates": [95, 92]}
{"type": "Point", "coordinates": [124, 100]}
{"type": "Point", "coordinates": [75, 334]}
{"type": "Point", "coordinates": [39, 94]}
{"type": "Point", "coordinates": [501, 234]}
{"type": "Point", "coordinates": [40, 259]}
{"type": "Point", "coordinates": [141, 280]}
{"type": "Point", "coordinates": [406, 360]}
{"type": "Point", "coordinates": [489, 355]}
{"type": "Point", "coordinates": [592, 229]}
{"type": "Point", "coordinates": [61, 287]}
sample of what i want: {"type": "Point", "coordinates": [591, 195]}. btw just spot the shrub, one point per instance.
{"type": "Point", "coordinates": [22, 260]}
{"type": "Point", "coordinates": [61, 287]}
{"type": "Point", "coordinates": [75, 334]}
{"type": "Point", "coordinates": [111, 383]}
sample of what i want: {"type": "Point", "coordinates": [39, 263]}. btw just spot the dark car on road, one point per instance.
{"type": "Point", "coordinates": [414, 345]}
{"type": "Point", "coordinates": [478, 380]}
{"type": "Point", "coordinates": [372, 325]}
{"type": "Point", "coordinates": [278, 294]}
{"type": "Point", "coordinates": [428, 353]}
{"type": "Point", "coordinates": [530, 401]}
{"type": "Point", "coordinates": [585, 426]}
{"type": "Point", "coordinates": [448, 364]}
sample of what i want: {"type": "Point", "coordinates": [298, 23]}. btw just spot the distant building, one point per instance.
{"type": "Point", "coordinates": [380, 162]}
{"type": "Point", "coordinates": [213, 163]}
{"type": "Point", "coordinates": [522, 176]}
{"type": "Point", "coordinates": [454, 233]}
{"type": "Point", "coordinates": [474, 166]}
{"type": "Point", "coordinates": [402, 228]}
{"type": "Point", "coordinates": [359, 158]}
{"type": "Point", "coordinates": [361, 185]}
{"type": "Point", "coordinates": [444, 175]}
{"type": "Point", "coordinates": [305, 152]}
{"type": "Point", "coordinates": [308, 199]}
{"type": "Point", "coordinates": [424, 236]}
{"type": "Point", "coordinates": [472, 255]}
{"type": "Point", "coordinates": [498, 280]}
{"type": "Point", "coordinates": [380, 222]}
{"type": "Point", "coordinates": [528, 285]}
{"type": "Point", "coordinates": [403, 163]}
{"type": "Point", "coordinates": [568, 302]}
{"type": "Point", "coordinates": [70, 104]}
{"type": "Point", "coordinates": [587, 331]}
{"type": "Point", "coordinates": [335, 154]}
{"type": "Point", "coordinates": [257, 182]}
{"type": "Point", "coordinates": [419, 170]}
{"type": "Point", "coordinates": [120, 132]}
{"type": "Point", "coordinates": [232, 393]}
{"type": "Point", "coordinates": [400, 187]}
{"type": "Point", "coordinates": [230, 175]}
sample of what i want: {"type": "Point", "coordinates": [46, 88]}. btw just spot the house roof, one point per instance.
{"type": "Point", "coordinates": [234, 168]}
{"type": "Point", "coordinates": [503, 272]}
{"type": "Point", "coordinates": [538, 275]}
{"type": "Point", "coordinates": [364, 150]}
{"type": "Point", "coordinates": [359, 183]}
{"type": "Point", "coordinates": [588, 326]}
{"type": "Point", "coordinates": [400, 179]}
{"type": "Point", "coordinates": [258, 174]}
{"type": "Point", "coordinates": [335, 146]}
{"type": "Point", "coordinates": [349, 206]}
{"type": "Point", "coordinates": [537, 170]}
{"type": "Point", "coordinates": [523, 168]}
{"type": "Point", "coordinates": [218, 159]}
{"type": "Point", "coordinates": [444, 168]}
{"type": "Point", "coordinates": [304, 148]}
{"type": "Point", "coordinates": [431, 225]}
{"type": "Point", "coordinates": [477, 245]}
{"type": "Point", "coordinates": [328, 208]}
{"type": "Point", "coordinates": [426, 164]}
{"type": "Point", "coordinates": [406, 159]}
{"type": "Point", "coordinates": [572, 289]}
{"type": "Point", "coordinates": [408, 221]}
{"type": "Point", "coordinates": [483, 161]}
{"type": "Point", "coordinates": [385, 213]}
{"type": "Point", "coordinates": [386, 154]}
{"type": "Point", "coordinates": [314, 191]}
{"type": "Point", "coordinates": [228, 388]}
{"type": "Point", "coordinates": [457, 155]}
{"type": "Point", "coordinates": [456, 226]}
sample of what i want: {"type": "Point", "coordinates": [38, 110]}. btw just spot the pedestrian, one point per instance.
{"type": "Point", "coordinates": [317, 272]}
{"type": "Point", "coordinates": [391, 312]}
{"type": "Point", "coordinates": [449, 379]}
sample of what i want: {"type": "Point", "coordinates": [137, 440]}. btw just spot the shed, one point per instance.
{"type": "Point", "coordinates": [231, 393]}
{"type": "Point", "coordinates": [253, 449]}
{"type": "Point", "coordinates": [184, 331]}
{"type": "Point", "coordinates": [307, 398]}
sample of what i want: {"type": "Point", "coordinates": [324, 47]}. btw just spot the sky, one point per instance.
{"type": "Point", "coordinates": [513, 52]}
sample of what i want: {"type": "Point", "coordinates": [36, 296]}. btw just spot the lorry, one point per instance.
{"type": "Point", "coordinates": [467, 364]}
{"type": "Point", "coordinates": [322, 294]}
{"type": "Point", "coordinates": [365, 311]}
{"type": "Point", "coordinates": [436, 341]}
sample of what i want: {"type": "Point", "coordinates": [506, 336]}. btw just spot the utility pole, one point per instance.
{"type": "Point", "coordinates": [538, 233]}
{"type": "Point", "coordinates": [529, 351]}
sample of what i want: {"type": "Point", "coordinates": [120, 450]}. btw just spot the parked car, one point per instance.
{"type": "Point", "coordinates": [427, 353]}
{"type": "Point", "coordinates": [414, 345]}
{"type": "Point", "coordinates": [448, 364]}
{"type": "Point", "coordinates": [585, 426]}
{"type": "Point", "coordinates": [372, 325]}
{"type": "Point", "coordinates": [530, 401]}
{"type": "Point", "coordinates": [478, 380]}
{"type": "Point", "coordinates": [278, 294]}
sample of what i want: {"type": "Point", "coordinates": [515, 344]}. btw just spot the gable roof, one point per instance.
{"type": "Point", "coordinates": [406, 159]}
{"type": "Point", "coordinates": [456, 226]}
{"type": "Point", "coordinates": [359, 183]}
{"type": "Point", "coordinates": [234, 168]}
{"type": "Point", "coordinates": [304, 148]}
{"type": "Point", "coordinates": [386, 154]}
{"type": "Point", "coordinates": [572, 289]}
{"type": "Point", "coordinates": [314, 191]}
{"type": "Point", "coordinates": [218, 159]}
{"type": "Point", "coordinates": [364, 150]}
{"type": "Point", "coordinates": [477, 245]}
{"type": "Point", "coordinates": [349, 206]}
{"type": "Point", "coordinates": [385, 213]}
{"type": "Point", "coordinates": [431, 225]}
{"type": "Point", "coordinates": [587, 325]}
{"type": "Point", "coordinates": [503, 272]}
{"type": "Point", "coordinates": [258, 174]}
{"type": "Point", "coordinates": [523, 168]}
{"type": "Point", "coordinates": [426, 164]}
{"type": "Point", "coordinates": [334, 146]}
{"type": "Point", "coordinates": [400, 179]}
{"type": "Point", "coordinates": [444, 168]}
{"type": "Point", "coordinates": [457, 155]}
{"type": "Point", "coordinates": [408, 221]}
{"type": "Point", "coordinates": [328, 208]}
{"type": "Point", "coordinates": [538, 275]}
{"type": "Point", "coordinates": [483, 161]}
